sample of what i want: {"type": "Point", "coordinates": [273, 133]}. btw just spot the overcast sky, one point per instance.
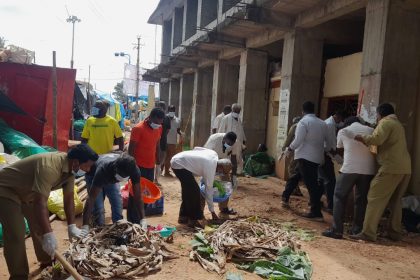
{"type": "Point", "coordinates": [106, 27]}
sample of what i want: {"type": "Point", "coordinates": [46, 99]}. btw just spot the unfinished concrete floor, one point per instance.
{"type": "Point", "coordinates": [332, 259]}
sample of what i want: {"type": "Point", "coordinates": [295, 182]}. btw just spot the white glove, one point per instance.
{"type": "Point", "coordinates": [73, 231]}
{"type": "Point", "coordinates": [143, 224]}
{"type": "Point", "coordinates": [288, 153]}
{"type": "Point", "coordinates": [85, 231]}
{"type": "Point", "coordinates": [234, 181]}
{"type": "Point", "coordinates": [49, 244]}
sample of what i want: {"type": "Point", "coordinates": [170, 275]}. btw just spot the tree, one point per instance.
{"type": "Point", "coordinates": [119, 92]}
{"type": "Point", "coordinates": [2, 42]}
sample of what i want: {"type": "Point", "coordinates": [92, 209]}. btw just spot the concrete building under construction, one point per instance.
{"type": "Point", "coordinates": [272, 55]}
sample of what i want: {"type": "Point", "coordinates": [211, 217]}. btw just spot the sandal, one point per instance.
{"type": "Point", "coordinates": [228, 211]}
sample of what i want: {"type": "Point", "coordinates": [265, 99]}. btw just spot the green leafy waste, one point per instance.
{"type": "Point", "coordinates": [218, 185]}
{"type": "Point", "coordinates": [201, 245]}
{"type": "Point", "coordinates": [289, 265]}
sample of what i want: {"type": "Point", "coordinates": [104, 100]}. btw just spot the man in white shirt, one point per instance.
{"type": "Point", "coordinates": [216, 122]}
{"type": "Point", "coordinates": [172, 138]}
{"type": "Point", "coordinates": [326, 172]}
{"type": "Point", "coordinates": [198, 162]}
{"type": "Point", "coordinates": [358, 170]}
{"type": "Point", "coordinates": [311, 141]}
{"type": "Point", "coordinates": [222, 144]}
{"type": "Point", "coordinates": [232, 122]}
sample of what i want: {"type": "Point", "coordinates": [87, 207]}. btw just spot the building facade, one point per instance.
{"type": "Point", "coordinates": [272, 55]}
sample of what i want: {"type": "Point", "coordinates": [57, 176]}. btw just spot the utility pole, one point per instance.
{"type": "Point", "coordinates": [54, 87]}
{"type": "Point", "coordinates": [137, 77]}
{"type": "Point", "coordinates": [88, 93]}
{"type": "Point", "coordinates": [73, 20]}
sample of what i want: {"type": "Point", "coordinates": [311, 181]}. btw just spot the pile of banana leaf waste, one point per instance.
{"type": "Point", "coordinates": [268, 248]}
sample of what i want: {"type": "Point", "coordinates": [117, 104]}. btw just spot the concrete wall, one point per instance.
{"type": "Point", "coordinates": [185, 105]}
{"type": "Point", "coordinates": [190, 19]}
{"type": "Point", "coordinates": [166, 40]}
{"type": "Point", "coordinates": [225, 86]}
{"type": "Point", "coordinates": [177, 27]}
{"type": "Point", "coordinates": [207, 12]}
{"type": "Point", "coordinates": [253, 96]}
{"type": "Point", "coordinates": [201, 111]}
{"type": "Point", "coordinates": [342, 75]}
{"type": "Point", "coordinates": [174, 94]}
{"type": "Point", "coordinates": [164, 93]}
{"type": "Point", "coordinates": [272, 121]}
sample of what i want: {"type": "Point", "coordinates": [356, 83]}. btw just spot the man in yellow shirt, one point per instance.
{"type": "Point", "coordinates": [99, 133]}
{"type": "Point", "coordinates": [101, 130]}
{"type": "Point", "coordinates": [391, 182]}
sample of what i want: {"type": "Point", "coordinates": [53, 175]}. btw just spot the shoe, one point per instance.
{"type": "Point", "coordinates": [331, 234]}
{"type": "Point", "coordinates": [361, 236]}
{"type": "Point", "coordinates": [393, 237]}
{"type": "Point", "coordinates": [195, 224]}
{"type": "Point", "coordinates": [228, 211]}
{"type": "Point", "coordinates": [182, 220]}
{"type": "Point", "coordinates": [297, 192]}
{"type": "Point", "coordinates": [285, 202]}
{"type": "Point", "coordinates": [313, 217]}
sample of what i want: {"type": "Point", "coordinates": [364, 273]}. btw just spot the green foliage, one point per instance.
{"type": "Point", "coordinates": [119, 92]}
{"type": "Point", "coordinates": [2, 42]}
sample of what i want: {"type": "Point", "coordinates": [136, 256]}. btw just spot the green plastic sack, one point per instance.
{"type": "Point", "coordinates": [56, 203]}
{"type": "Point", "coordinates": [78, 125]}
{"type": "Point", "coordinates": [1, 231]}
{"type": "Point", "coordinates": [259, 164]}
{"type": "Point", "coordinates": [20, 144]}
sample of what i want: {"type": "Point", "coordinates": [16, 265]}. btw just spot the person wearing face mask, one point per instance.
{"type": "Point", "coordinates": [24, 190]}
{"type": "Point", "coordinates": [99, 133]}
{"type": "Point", "coordinates": [222, 144]}
{"type": "Point", "coordinates": [232, 122]}
{"type": "Point", "coordinates": [216, 122]}
{"type": "Point", "coordinates": [163, 142]}
{"type": "Point", "coordinates": [144, 143]}
{"type": "Point", "coordinates": [112, 169]}
{"type": "Point", "coordinates": [172, 138]}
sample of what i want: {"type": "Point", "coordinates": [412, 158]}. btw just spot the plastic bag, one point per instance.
{"type": "Point", "coordinates": [259, 164]}
{"type": "Point", "coordinates": [222, 190]}
{"type": "Point", "coordinates": [20, 144]}
{"type": "Point", "coordinates": [1, 231]}
{"type": "Point", "coordinates": [56, 203]}
{"type": "Point", "coordinates": [79, 125]}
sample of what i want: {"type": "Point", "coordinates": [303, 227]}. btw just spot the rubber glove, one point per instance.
{"type": "Point", "coordinates": [85, 231]}
{"type": "Point", "coordinates": [73, 231]}
{"type": "Point", "coordinates": [143, 224]}
{"type": "Point", "coordinates": [49, 244]}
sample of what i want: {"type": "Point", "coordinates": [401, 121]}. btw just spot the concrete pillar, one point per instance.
{"type": "Point", "coordinates": [301, 78]}
{"type": "Point", "coordinates": [201, 111]}
{"type": "Point", "coordinates": [225, 86]}
{"type": "Point", "coordinates": [174, 94]}
{"type": "Point", "coordinates": [207, 12]}
{"type": "Point", "coordinates": [391, 67]}
{"type": "Point", "coordinates": [252, 95]}
{"type": "Point", "coordinates": [177, 27]}
{"type": "Point", "coordinates": [185, 104]}
{"type": "Point", "coordinates": [164, 92]}
{"type": "Point", "coordinates": [166, 40]}
{"type": "Point", "coordinates": [190, 19]}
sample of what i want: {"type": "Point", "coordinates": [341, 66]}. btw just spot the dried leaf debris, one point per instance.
{"type": "Point", "coordinates": [119, 251]}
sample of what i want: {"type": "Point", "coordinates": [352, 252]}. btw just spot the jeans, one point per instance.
{"type": "Point", "coordinates": [112, 191]}
{"type": "Point", "coordinates": [343, 188]}
{"type": "Point", "coordinates": [326, 179]}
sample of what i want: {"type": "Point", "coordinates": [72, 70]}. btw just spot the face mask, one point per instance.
{"type": "Point", "coordinates": [171, 114]}
{"type": "Point", "coordinates": [94, 111]}
{"type": "Point", "coordinates": [119, 178]}
{"type": "Point", "coordinates": [154, 125]}
{"type": "Point", "coordinates": [235, 115]}
{"type": "Point", "coordinates": [78, 173]}
{"type": "Point", "coordinates": [227, 147]}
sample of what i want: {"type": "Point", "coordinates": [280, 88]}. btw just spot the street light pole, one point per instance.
{"type": "Point", "coordinates": [73, 20]}
{"type": "Point", "coordinates": [137, 76]}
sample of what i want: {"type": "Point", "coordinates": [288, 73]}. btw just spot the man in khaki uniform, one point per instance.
{"type": "Point", "coordinates": [391, 182]}
{"type": "Point", "coordinates": [24, 190]}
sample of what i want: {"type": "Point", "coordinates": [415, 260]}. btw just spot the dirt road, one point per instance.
{"type": "Point", "coordinates": [332, 259]}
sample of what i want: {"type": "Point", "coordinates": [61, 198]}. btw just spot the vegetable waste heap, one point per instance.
{"type": "Point", "coordinates": [267, 248]}
{"type": "Point", "coordinates": [121, 250]}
